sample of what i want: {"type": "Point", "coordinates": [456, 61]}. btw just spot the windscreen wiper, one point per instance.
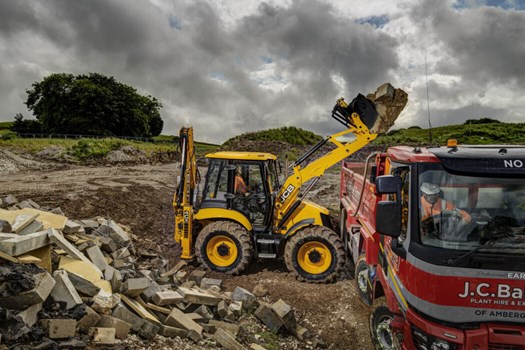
{"type": "Point", "coordinates": [462, 258]}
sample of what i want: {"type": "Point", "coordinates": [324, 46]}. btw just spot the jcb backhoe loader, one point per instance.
{"type": "Point", "coordinates": [245, 213]}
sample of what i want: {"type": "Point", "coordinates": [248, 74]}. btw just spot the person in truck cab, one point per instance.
{"type": "Point", "coordinates": [240, 185]}
{"type": "Point", "coordinates": [432, 203]}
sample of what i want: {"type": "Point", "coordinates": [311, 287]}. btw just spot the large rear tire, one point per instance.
{"type": "Point", "coordinates": [224, 246]}
{"type": "Point", "coordinates": [315, 254]}
{"type": "Point", "coordinates": [380, 329]}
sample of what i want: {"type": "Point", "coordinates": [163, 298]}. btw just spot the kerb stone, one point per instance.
{"type": "Point", "coordinates": [169, 297]}
{"type": "Point", "coordinates": [95, 255]}
{"type": "Point", "coordinates": [64, 290]}
{"type": "Point", "coordinates": [121, 327]}
{"type": "Point", "coordinates": [178, 319]}
{"type": "Point", "coordinates": [227, 340]}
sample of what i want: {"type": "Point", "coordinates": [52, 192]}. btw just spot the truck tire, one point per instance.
{"type": "Point", "coordinates": [380, 330]}
{"type": "Point", "coordinates": [315, 254]}
{"type": "Point", "coordinates": [224, 246]}
{"type": "Point", "coordinates": [362, 280]}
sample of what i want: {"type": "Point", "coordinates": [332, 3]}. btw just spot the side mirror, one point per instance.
{"type": "Point", "coordinates": [373, 173]}
{"type": "Point", "coordinates": [388, 218]}
{"type": "Point", "coordinates": [388, 184]}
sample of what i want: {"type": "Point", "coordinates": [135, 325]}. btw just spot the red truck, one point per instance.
{"type": "Point", "coordinates": [437, 236]}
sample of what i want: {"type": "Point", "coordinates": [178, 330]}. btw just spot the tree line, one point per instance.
{"type": "Point", "coordinates": [91, 104]}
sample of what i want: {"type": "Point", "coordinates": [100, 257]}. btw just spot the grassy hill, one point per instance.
{"type": "Point", "coordinates": [288, 134]}
{"type": "Point", "coordinates": [473, 134]}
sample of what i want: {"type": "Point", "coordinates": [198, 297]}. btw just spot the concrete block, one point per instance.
{"type": "Point", "coordinates": [44, 283]}
{"type": "Point", "coordinates": [222, 309]}
{"type": "Point", "coordinates": [60, 328]}
{"type": "Point", "coordinates": [211, 283]}
{"type": "Point", "coordinates": [195, 317]}
{"type": "Point", "coordinates": [148, 293]}
{"type": "Point", "coordinates": [197, 297]}
{"type": "Point", "coordinates": [71, 227]}
{"type": "Point", "coordinates": [30, 315]}
{"type": "Point", "coordinates": [267, 316]}
{"type": "Point", "coordinates": [197, 276]}
{"type": "Point", "coordinates": [205, 312]}
{"type": "Point", "coordinates": [64, 290]}
{"type": "Point", "coordinates": [90, 319]}
{"type": "Point", "coordinates": [179, 319]}
{"type": "Point", "coordinates": [139, 309]}
{"type": "Point", "coordinates": [286, 314]}
{"type": "Point", "coordinates": [169, 297]}
{"type": "Point", "coordinates": [247, 298]}
{"type": "Point", "coordinates": [123, 313]}
{"type": "Point", "coordinates": [236, 308]}
{"type": "Point", "coordinates": [132, 287]}
{"type": "Point", "coordinates": [102, 336]}
{"type": "Point", "coordinates": [302, 333]}
{"type": "Point", "coordinates": [95, 255]}
{"type": "Point", "coordinates": [22, 221]}
{"type": "Point", "coordinates": [148, 330]}
{"type": "Point", "coordinates": [121, 327]}
{"type": "Point", "coordinates": [82, 285]}
{"type": "Point", "coordinates": [227, 340]}
{"type": "Point", "coordinates": [175, 269]}
{"type": "Point", "coordinates": [107, 244]}
{"type": "Point", "coordinates": [114, 231]}
{"type": "Point", "coordinates": [15, 245]}
{"type": "Point", "coordinates": [230, 316]}
{"type": "Point", "coordinates": [116, 281]}
{"type": "Point", "coordinates": [56, 237]}
{"type": "Point", "coordinates": [172, 332]}
{"type": "Point", "coordinates": [230, 327]}
{"type": "Point", "coordinates": [35, 226]}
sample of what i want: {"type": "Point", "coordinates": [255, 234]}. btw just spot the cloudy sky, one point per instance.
{"type": "Point", "coordinates": [232, 66]}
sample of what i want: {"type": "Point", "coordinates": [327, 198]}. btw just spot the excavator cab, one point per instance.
{"type": "Point", "coordinates": [243, 182]}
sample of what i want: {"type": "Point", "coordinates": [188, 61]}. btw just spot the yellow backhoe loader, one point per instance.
{"type": "Point", "coordinates": [243, 212]}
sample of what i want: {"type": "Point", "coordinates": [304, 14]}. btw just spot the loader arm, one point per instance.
{"type": "Point", "coordinates": [183, 198]}
{"type": "Point", "coordinates": [358, 117]}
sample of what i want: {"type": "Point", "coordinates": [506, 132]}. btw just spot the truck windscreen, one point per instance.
{"type": "Point", "coordinates": [464, 213]}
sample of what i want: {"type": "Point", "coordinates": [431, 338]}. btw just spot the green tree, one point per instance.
{"type": "Point", "coordinates": [481, 121]}
{"type": "Point", "coordinates": [93, 104]}
{"type": "Point", "coordinates": [27, 126]}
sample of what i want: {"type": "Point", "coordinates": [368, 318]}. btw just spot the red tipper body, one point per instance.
{"type": "Point", "coordinates": [448, 283]}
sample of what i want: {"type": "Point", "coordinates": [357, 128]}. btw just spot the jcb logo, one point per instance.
{"type": "Point", "coordinates": [286, 193]}
{"type": "Point", "coordinates": [513, 163]}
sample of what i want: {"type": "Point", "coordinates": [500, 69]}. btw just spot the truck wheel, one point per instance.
{"type": "Point", "coordinates": [380, 329]}
{"type": "Point", "coordinates": [224, 246]}
{"type": "Point", "coordinates": [315, 254]}
{"type": "Point", "coordinates": [362, 280]}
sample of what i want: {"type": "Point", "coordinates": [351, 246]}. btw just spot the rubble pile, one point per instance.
{"type": "Point", "coordinates": [77, 283]}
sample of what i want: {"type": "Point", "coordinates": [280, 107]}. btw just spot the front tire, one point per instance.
{"type": "Point", "coordinates": [380, 328]}
{"type": "Point", "coordinates": [315, 254]}
{"type": "Point", "coordinates": [224, 246]}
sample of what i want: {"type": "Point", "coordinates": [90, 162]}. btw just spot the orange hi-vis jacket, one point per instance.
{"type": "Point", "coordinates": [429, 209]}
{"type": "Point", "coordinates": [240, 186]}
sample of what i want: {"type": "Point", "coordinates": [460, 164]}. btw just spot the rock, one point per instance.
{"type": "Point", "coordinates": [247, 298]}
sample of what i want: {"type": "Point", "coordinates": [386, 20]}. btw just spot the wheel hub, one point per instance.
{"type": "Point", "coordinates": [314, 256]}
{"type": "Point", "coordinates": [384, 334]}
{"type": "Point", "coordinates": [223, 250]}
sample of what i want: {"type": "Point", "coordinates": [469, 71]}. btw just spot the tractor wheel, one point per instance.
{"type": "Point", "coordinates": [224, 246]}
{"type": "Point", "coordinates": [315, 254]}
{"type": "Point", "coordinates": [380, 329]}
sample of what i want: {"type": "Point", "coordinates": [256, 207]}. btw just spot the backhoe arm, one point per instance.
{"type": "Point", "coordinates": [183, 198]}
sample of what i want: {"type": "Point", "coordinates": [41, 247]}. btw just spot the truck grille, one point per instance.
{"type": "Point", "coordinates": [500, 346]}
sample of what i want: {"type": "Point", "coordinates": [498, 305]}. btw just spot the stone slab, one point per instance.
{"type": "Point", "coordinates": [247, 298]}
{"type": "Point", "coordinates": [18, 245]}
{"type": "Point", "coordinates": [139, 309]}
{"type": "Point", "coordinates": [102, 336]}
{"type": "Point", "coordinates": [60, 328]}
{"type": "Point", "coordinates": [172, 332]}
{"type": "Point", "coordinates": [44, 283]}
{"type": "Point", "coordinates": [95, 255]}
{"type": "Point", "coordinates": [64, 290]}
{"type": "Point", "coordinates": [179, 319]}
{"type": "Point", "coordinates": [43, 255]}
{"type": "Point", "coordinates": [90, 319]}
{"type": "Point", "coordinates": [132, 287]}
{"type": "Point", "coordinates": [83, 285]}
{"type": "Point", "coordinates": [227, 340]}
{"type": "Point", "coordinates": [197, 297]}
{"type": "Point", "coordinates": [30, 315]}
{"type": "Point", "coordinates": [121, 327]}
{"type": "Point", "coordinates": [267, 316]}
{"type": "Point", "coordinates": [230, 327]}
{"type": "Point", "coordinates": [49, 220]}
{"type": "Point", "coordinates": [123, 313]}
{"type": "Point", "coordinates": [169, 297]}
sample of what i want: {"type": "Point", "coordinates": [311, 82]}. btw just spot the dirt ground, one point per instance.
{"type": "Point", "coordinates": [140, 197]}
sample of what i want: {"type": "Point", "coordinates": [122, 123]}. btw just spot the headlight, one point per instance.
{"type": "Point", "coordinates": [425, 341]}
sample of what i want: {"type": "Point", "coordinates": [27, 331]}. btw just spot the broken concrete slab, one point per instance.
{"type": "Point", "coordinates": [95, 255]}
{"type": "Point", "coordinates": [17, 245]}
{"type": "Point", "coordinates": [222, 309]}
{"type": "Point", "coordinates": [22, 221]}
{"type": "Point", "coordinates": [56, 237]}
{"type": "Point", "coordinates": [60, 328]}
{"type": "Point", "coordinates": [148, 330]}
{"type": "Point", "coordinates": [286, 314]}
{"type": "Point", "coordinates": [197, 276]}
{"type": "Point", "coordinates": [132, 287]}
{"type": "Point", "coordinates": [121, 327]}
{"type": "Point", "coordinates": [175, 269]}
{"type": "Point", "coordinates": [82, 285]}
{"type": "Point", "coordinates": [33, 227]}
{"type": "Point", "coordinates": [49, 220]}
{"type": "Point", "coordinates": [123, 313]}
{"type": "Point", "coordinates": [90, 319]}
{"type": "Point", "coordinates": [8, 257]}
{"type": "Point", "coordinates": [267, 316]}
{"type": "Point", "coordinates": [71, 227]}
{"type": "Point", "coordinates": [43, 255]}
{"type": "Point", "coordinates": [205, 312]}
{"type": "Point", "coordinates": [114, 231]}
{"type": "Point", "coordinates": [103, 303]}
{"type": "Point", "coordinates": [207, 283]}
{"type": "Point", "coordinates": [230, 327]}
{"type": "Point", "coordinates": [44, 283]}
{"type": "Point", "coordinates": [197, 297]}
{"type": "Point", "coordinates": [169, 297]}
{"type": "Point", "coordinates": [227, 340]}
{"type": "Point", "coordinates": [30, 315]}
{"type": "Point", "coordinates": [179, 319]}
{"type": "Point", "coordinates": [247, 298]}
{"type": "Point", "coordinates": [139, 309]}
{"type": "Point", "coordinates": [102, 336]}
{"type": "Point", "coordinates": [64, 290]}
{"type": "Point", "coordinates": [172, 332]}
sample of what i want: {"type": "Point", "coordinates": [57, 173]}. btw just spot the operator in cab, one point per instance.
{"type": "Point", "coordinates": [432, 204]}
{"type": "Point", "coordinates": [240, 185]}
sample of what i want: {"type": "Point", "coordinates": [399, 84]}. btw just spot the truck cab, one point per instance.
{"type": "Point", "coordinates": [440, 239]}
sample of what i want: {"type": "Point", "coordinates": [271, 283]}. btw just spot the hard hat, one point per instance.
{"type": "Point", "coordinates": [429, 188]}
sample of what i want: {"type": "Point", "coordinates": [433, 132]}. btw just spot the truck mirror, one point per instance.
{"type": "Point", "coordinates": [388, 184]}
{"type": "Point", "coordinates": [373, 173]}
{"type": "Point", "coordinates": [388, 218]}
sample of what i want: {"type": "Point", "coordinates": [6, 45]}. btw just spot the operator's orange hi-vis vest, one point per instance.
{"type": "Point", "coordinates": [429, 209]}
{"type": "Point", "coordinates": [240, 186]}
